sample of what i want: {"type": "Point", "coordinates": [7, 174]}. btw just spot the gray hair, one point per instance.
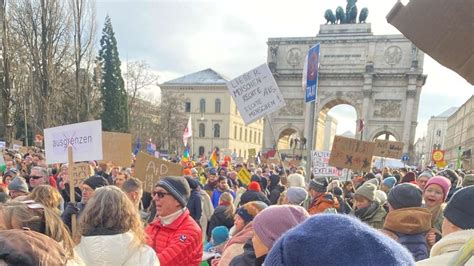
{"type": "Point", "coordinates": [132, 184]}
{"type": "Point", "coordinates": [43, 171]}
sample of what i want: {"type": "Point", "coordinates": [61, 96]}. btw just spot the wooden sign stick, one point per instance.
{"type": "Point", "coordinates": [72, 192]}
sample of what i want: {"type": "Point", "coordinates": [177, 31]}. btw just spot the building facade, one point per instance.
{"type": "Point", "coordinates": [460, 136]}
{"type": "Point", "coordinates": [330, 127]}
{"type": "Point", "coordinates": [216, 121]}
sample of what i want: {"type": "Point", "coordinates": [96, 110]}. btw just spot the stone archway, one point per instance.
{"type": "Point", "coordinates": [385, 133]}
{"type": "Point", "coordinates": [286, 138]}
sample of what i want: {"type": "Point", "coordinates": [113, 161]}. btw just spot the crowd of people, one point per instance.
{"type": "Point", "coordinates": [209, 215]}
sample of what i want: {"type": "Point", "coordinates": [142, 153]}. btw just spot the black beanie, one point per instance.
{"type": "Point", "coordinates": [96, 181]}
{"type": "Point", "coordinates": [460, 209]}
{"type": "Point", "coordinates": [319, 184]}
{"type": "Point", "coordinates": [193, 184]}
{"type": "Point", "coordinates": [177, 186]}
{"type": "Point", "coordinates": [405, 195]}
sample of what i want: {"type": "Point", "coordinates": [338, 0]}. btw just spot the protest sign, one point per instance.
{"type": "Point", "coordinates": [3, 144]}
{"type": "Point", "coordinates": [117, 148]}
{"type": "Point", "coordinates": [23, 150]}
{"type": "Point", "coordinates": [256, 93]}
{"type": "Point", "coordinates": [390, 149]}
{"type": "Point", "coordinates": [239, 160]}
{"type": "Point", "coordinates": [16, 144]}
{"type": "Point", "coordinates": [273, 161]}
{"type": "Point", "coordinates": [320, 164]}
{"type": "Point", "coordinates": [351, 154]}
{"type": "Point", "coordinates": [252, 152]}
{"type": "Point", "coordinates": [85, 139]}
{"type": "Point", "coordinates": [150, 169]}
{"type": "Point", "coordinates": [80, 172]}
{"type": "Point", "coordinates": [244, 176]}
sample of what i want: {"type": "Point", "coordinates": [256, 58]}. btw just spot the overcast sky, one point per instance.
{"type": "Point", "coordinates": [181, 37]}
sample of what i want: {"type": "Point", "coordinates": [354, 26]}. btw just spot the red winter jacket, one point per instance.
{"type": "Point", "coordinates": [179, 243]}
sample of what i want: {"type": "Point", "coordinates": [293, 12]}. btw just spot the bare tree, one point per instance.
{"type": "Point", "coordinates": [172, 119]}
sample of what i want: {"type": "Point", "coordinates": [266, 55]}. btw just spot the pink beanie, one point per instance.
{"type": "Point", "coordinates": [271, 223]}
{"type": "Point", "coordinates": [441, 181]}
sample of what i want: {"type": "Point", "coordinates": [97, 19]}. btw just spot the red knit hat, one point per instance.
{"type": "Point", "coordinates": [187, 171]}
{"type": "Point", "coordinates": [254, 186]}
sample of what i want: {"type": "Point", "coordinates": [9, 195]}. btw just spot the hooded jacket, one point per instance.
{"type": "Point", "coordinates": [373, 215]}
{"type": "Point", "coordinates": [114, 249]}
{"type": "Point", "coordinates": [219, 218]}
{"type": "Point", "coordinates": [446, 250]}
{"type": "Point", "coordinates": [251, 195]}
{"type": "Point", "coordinates": [323, 202]}
{"type": "Point", "coordinates": [235, 245]}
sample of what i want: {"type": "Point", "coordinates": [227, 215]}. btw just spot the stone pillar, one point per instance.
{"type": "Point", "coordinates": [267, 133]}
{"type": "Point", "coordinates": [411, 94]}
{"type": "Point", "coordinates": [367, 90]}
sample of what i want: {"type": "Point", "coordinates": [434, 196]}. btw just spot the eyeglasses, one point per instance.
{"type": "Point", "coordinates": [35, 177]}
{"type": "Point", "coordinates": [160, 194]}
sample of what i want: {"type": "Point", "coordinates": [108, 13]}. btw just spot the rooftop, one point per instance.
{"type": "Point", "coordinates": [447, 113]}
{"type": "Point", "coordinates": [205, 77]}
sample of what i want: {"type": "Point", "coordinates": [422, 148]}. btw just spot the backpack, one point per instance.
{"type": "Point", "coordinates": [416, 244]}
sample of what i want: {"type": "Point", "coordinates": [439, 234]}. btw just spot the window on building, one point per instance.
{"type": "Point", "coordinates": [202, 106]}
{"type": "Point", "coordinates": [438, 133]}
{"type": "Point", "coordinates": [217, 131]}
{"type": "Point", "coordinates": [240, 135]}
{"type": "Point", "coordinates": [255, 137]}
{"type": "Point", "coordinates": [187, 107]}
{"type": "Point", "coordinates": [217, 106]}
{"type": "Point", "coordinates": [202, 130]}
{"type": "Point", "coordinates": [245, 135]}
{"type": "Point", "coordinates": [235, 132]}
{"type": "Point", "coordinates": [201, 150]}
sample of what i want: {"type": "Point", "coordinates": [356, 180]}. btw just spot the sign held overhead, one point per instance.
{"type": "Point", "coordinates": [390, 149]}
{"type": "Point", "coordinates": [351, 154]}
{"type": "Point", "coordinates": [150, 169]}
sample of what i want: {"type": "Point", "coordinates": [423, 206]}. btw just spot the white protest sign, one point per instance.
{"type": "Point", "coordinates": [85, 139]}
{"type": "Point", "coordinates": [320, 164]}
{"type": "Point", "coordinates": [2, 145]}
{"type": "Point", "coordinates": [256, 93]}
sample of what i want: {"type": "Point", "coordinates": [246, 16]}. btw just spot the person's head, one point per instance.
{"type": "Point", "coordinates": [468, 180]}
{"type": "Point", "coordinates": [35, 217]}
{"type": "Point", "coordinates": [194, 172]}
{"type": "Point", "coordinates": [120, 179]}
{"type": "Point", "coordinates": [365, 195]}
{"type": "Point", "coordinates": [388, 183]}
{"type": "Point", "coordinates": [459, 212]}
{"type": "Point", "coordinates": [212, 177]}
{"type": "Point", "coordinates": [10, 164]}
{"type": "Point", "coordinates": [46, 195]}
{"type": "Point", "coordinates": [222, 183]}
{"type": "Point", "coordinates": [219, 235]}
{"type": "Point", "coordinates": [254, 186]}
{"type": "Point", "coordinates": [18, 187]}
{"type": "Point", "coordinates": [296, 195]}
{"type": "Point", "coordinates": [246, 213]}
{"type": "Point", "coordinates": [9, 175]}
{"type": "Point", "coordinates": [409, 177]}
{"type": "Point", "coordinates": [423, 179]}
{"type": "Point", "coordinates": [114, 170]}
{"type": "Point", "coordinates": [348, 186]}
{"type": "Point", "coordinates": [109, 208]}
{"type": "Point", "coordinates": [436, 191]}
{"type": "Point", "coordinates": [90, 185]}
{"type": "Point", "coordinates": [405, 196]}
{"type": "Point", "coordinates": [38, 176]}
{"type": "Point", "coordinates": [362, 245]}
{"type": "Point", "coordinates": [296, 180]}
{"type": "Point", "coordinates": [452, 176]}
{"type": "Point", "coordinates": [267, 231]}
{"type": "Point", "coordinates": [134, 190]}
{"type": "Point", "coordinates": [170, 194]}
{"type": "Point", "coordinates": [317, 186]}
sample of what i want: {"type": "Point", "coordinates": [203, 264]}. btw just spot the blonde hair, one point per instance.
{"type": "Point", "coordinates": [46, 195]}
{"type": "Point", "coordinates": [282, 198]}
{"type": "Point", "coordinates": [109, 208]}
{"type": "Point", "coordinates": [227, 199]}
{"type": "Point", "coordinates": [18, 215]}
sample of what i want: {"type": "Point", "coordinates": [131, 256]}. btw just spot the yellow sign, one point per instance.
{"type": "Point", "coordinates": [441, 164]}
{"type": "Point", "coordinates": [244, 176]}
{"type": "Point", "coordinates": [438, 155]}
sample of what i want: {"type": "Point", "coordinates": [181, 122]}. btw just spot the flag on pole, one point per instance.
{"type": "Point", "coordinates": [188, 132]}
{"type": "Point", "coordinates": [138, 146]}
{"type": "Point", "coordinates": [213, 160]}
{"type": "Point", "coordinates": [185, 157]}
{"type": "Point", "coordinates": [360, 125]}
{"type": "Point", "coordinates": [151, 147]}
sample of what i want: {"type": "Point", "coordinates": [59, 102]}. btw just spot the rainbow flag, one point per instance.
{"type": "Point", "coordinates": [213, 160]}
{"type": "Point", "coordinates": [185, 157]}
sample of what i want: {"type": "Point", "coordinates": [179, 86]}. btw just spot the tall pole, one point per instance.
{"type": "Point", "coordinates": [310, 140]}
{"type": "Point", "coordinates": [26, 125]}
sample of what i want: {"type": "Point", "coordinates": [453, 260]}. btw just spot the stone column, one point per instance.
{"type": "Point", "coordinates": [367, 90]}
{"type": "Point", "coordinates": [267, 133]}
{"type": "Point", "coordinates": [411, 94]}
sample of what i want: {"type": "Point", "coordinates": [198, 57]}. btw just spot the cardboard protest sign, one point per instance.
{"type": "Point", "coordinates": [351, 153]}
{"type": "Point", "coordinates": [251, 160]}
{"type": "Point", "coordinates": [85, 139]}
{"type": "Point", "coordinates": [244, 176]}
{"type": "Point", "coordinates": [273, 161]}
{"type": "Point", "coordinates": [320, 164]}
{"type": "Point", "coordinates": [390, 149]}
{"type": "Point", "coordinates": [23, 150]}
{"type": "Point", "coordinates": [117, 148]}
{"type": "Point", "coordinates": [252, 152]}
{"type": "Point", "coordinates": [150, 169]}
{"type": "Point", "coordinates": [256, 93]}
{"type": "Point", "coordinates": [80, 172]}
{"type": "Point", "coordinates": [16, 144]}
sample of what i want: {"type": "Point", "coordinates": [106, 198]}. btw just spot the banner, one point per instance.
{"type": "Point", "coordinates": [81, 171]}
{"type": "Point", "coordinates": [2, 145]}
{"type": "Point", "coordinates": [320, 164]}
{"type": "Point", "coordinates": [312, 70]}
{"type": "Point", "coordinates": [150, 169]}
{"type": "Point", "coordinates": [256, 93]}
{"type": "Point", "coordinates": [244, 176]}
{"type": "Point", "coordinates": [390, 149]}
{"type": "Point", "coordinates": [117, 148]}
{"type": "Point", "coordinates": [351, 154]}
{"type": "Point", "coordinates": [16, 144]}
{"type": "Point", "coordinates": [85, 139]}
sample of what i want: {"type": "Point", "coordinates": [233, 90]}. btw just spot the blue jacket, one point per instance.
{"type": "Point", "coordinates": [216, 194]}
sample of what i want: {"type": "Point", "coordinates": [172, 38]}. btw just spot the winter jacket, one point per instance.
{"type": "Point", "coordinates": [409, 226]}
{"type": "Point", "coordinates": [216, 194]}
{"type": "Point", "coordinates": [71, 209]}
{"type": "Point", "coordinates": [323, 202]}
{"type": "Point", "coordinates": [194, 205]}
{"type": "Point", "coordinates": [114, 249]}
{"type": "Point", "coordinates": [235, 246]}
{"type": "Point", "coordinates": [437, 216]}
{"type": "Point", "coordinates": [251, 195]}
{"type": "Point", "coordinates": [219, 218]}
{"type": "Point", "coordinates": [179, 243]}
{"type": "Point", "coordinates": [247, 258]}
{"type": "Point", "coordinates": [207, 212]}
{"type": "Point", "coordinates": [275, 193]}
{"type": "Point", "coordinates": [373, 215]}
{"type": "Point", "coordinates": [446, 249]}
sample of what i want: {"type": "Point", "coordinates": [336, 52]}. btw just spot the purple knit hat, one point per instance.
{"type": "Point", "coordinates": [287, 217]}
{"type": "Point", "coordinates": [441, 181]}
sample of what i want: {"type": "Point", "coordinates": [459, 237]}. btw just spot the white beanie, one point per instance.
{"type": "Point", "coordinates": [296, 180]}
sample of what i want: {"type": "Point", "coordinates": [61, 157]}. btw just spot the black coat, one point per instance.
{"type": "Point", "coordinates": [219, 218]}
{"type": "Point", "coordinates": [194, 205]}
{"type": "Point", "coordinates": [246, 258]}
{"type": "Point", "coordinates": [250, 195]}
{"type": "Point", "coordinates": [275, 194]}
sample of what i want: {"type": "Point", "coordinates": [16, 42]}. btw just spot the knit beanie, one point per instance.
{"type": "Point", "coordinates": [409, 177]}
{"type": "Point", "coordinates": [177, 186]}
{"type": "Point", "coordinates": [18, 184]}
{"type": "Point", "coordinates": [193, 184]}
{"type": "Point", "coordinates": [451, 175]}
{"type": "Point", "coordinates": [96, 181]}
{"type": "Point", "coordinates": [187, 171]}
{"type": "Point", "coordinates": [441, 181]}
{"type": "Point", "coordinates": [220, 234]}
{"type": "Point", "coordinates": [296, 180]}
{"type": "Point", "coordinates": [254, 186]}
{"type": "Point", "coordinates": [428, 174]}
{"type": "Point", "coordinates": [389, 181]}
{"type": "Point", "coordinates": [213, 171]}
{"type": "Point", "coordinates": [337, 191]}
{"type": "Point", "coordinates": [319, 184]}
{"type": "Point", "coordinates": [381, 197]}
{"type": "Point", "coordinates": [405, 195]}
{"type": "Point", "coordinates": [362, 245]}
{"type": "Point", "coordinates": [374, 181]}
{"type": "Point", "coordinates": [460, 208]}
{"type": "Point", "coordinates": [296, 195]}
{"type": "Point", "coordinates": [367, 190]}
{"type": "Point", "coordinates": [288, 216]}
{"type": "Point", "coordinates": [468, 180]}
{"type": "Point", "coordinates": [249, 210]}
{"type": "Point", "coordinates": [255, 178]}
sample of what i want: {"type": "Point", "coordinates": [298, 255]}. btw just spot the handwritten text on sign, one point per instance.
{"type": "Point", "coordinates": [256, 93]}
{"type": "Point", "coordinates": [320, 164]}
{"type": "Point", "coordinates": [351, 154]}
{"type": "Point", "coordinates": [150, 169]}
{"type": "Point", "coordinates": [80, 172]}
{"type": "Point", "coordinates": [390, 149]}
